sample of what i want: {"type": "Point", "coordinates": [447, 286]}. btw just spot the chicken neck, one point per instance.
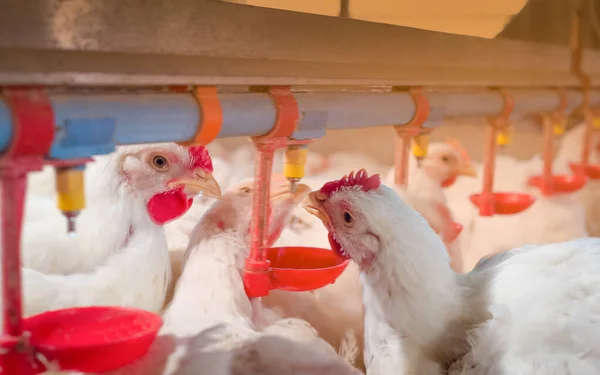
{"type": "Point", "coordinates": [210, 290]}
{"type": "Point", "coordinates": [113, 214]}
{"type": "Point", "coordinates": [417, 291]}
{"type": "Point", "coordinates": [426, 187]}
{"type": "Point", "coordinates": [115, 234]}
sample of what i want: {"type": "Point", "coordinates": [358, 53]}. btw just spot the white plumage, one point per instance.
{"type": "Point", "coordinates": [529, 311]}
{"type": "Point", "coordinates": [331, 310]}
{"type": "Point", "coordinates": [545, 301]}
{"type": "Point", "coordinates": [550, 219]}
{"type": "Point", "coordinates": [210, 325]}
{"type": "Point", "coordinates": [120, 256]}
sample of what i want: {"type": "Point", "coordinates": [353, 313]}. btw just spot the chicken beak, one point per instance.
{"type": "Point", "coordinates": [313, 206]}
{"type": "Point", "coordinates": [199, 182]}
{"type": "Point", "coordinates": [284, 192]}
{"type": "Point", "coordinates": [466, 170]}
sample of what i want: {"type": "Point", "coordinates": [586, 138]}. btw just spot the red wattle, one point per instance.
{"type": "Point", "coordinates": [448, 182]}
{"type": "Point", "coordinates": [168, 206]}
{"type": "Point", "coordinates": [335, 246]}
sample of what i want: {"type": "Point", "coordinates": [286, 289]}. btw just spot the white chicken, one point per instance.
{"type": "Point", "coordinates": [445, 162]}
{"type": "Point", "coordinates": [337, 307]}
{"type": "Point", "coordinates": [208, 327]}
{"type": "Point", "coordinates": [138, 190]}
{"type": "Point", "coordinates": [175, 234]}
{"type": "Point", "coordinates": [47, 248]}
{"type": "Point", "coordinates": [533, 310]}
{"type": "Point", "coordinates": [550, 219]}
{"type": "Point", "coordinates": [178, 231]}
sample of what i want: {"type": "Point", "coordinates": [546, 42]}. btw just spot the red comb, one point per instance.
{"type": "Point", "coordinates": [456, 145]}
{"type": "Point", "coordinates": [361, 180]}
{"type": "Point", "coordinates": [200, 158]}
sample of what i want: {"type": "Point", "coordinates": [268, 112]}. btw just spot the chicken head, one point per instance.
{"type": "Point", "coordinates": [234, 211]}
{"type": "Point", "coordinates": [233, 214]}
{"type": "Point", "coordinates": [447, 160]}
{"type": "Point", "coordinates": [167, 177]}
{"type": "Point", "coordinates": [347, 207]}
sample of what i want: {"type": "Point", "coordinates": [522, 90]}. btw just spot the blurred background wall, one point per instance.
{"type": "Point", "coordinates": [546, 21]}
{"type": "Point", "coordinates": [483, 18]}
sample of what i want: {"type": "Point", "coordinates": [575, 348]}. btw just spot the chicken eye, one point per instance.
{"type": "Point", "coordinates": [245, 190]}
{"type": "Point", "coordinates": [160, 163]}
{"type": "Point", "coordinates": [449, 159]}
{"type": "Point", "coordinates": [348, 218]}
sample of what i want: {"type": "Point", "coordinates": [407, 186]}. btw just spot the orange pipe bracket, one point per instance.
{"type": "Point", "coordinates": [257, 276]}
{"type": "Point", "coordinates": [211, 116]}
{"type": "Point", "coordinates": [405, 132]}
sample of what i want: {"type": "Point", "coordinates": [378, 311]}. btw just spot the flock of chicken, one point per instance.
{"type": "Point", "coordinates": [418, 298]}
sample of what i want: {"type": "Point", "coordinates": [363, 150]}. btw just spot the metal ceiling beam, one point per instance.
{"type": "Point", "coordinates": [136, 42]}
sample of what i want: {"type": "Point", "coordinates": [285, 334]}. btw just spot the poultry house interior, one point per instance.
{"type": "Point", "coordinates": [186, 191]}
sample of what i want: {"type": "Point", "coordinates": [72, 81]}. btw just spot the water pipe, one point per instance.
{"type": "Point", "coordinates": [93, 123]}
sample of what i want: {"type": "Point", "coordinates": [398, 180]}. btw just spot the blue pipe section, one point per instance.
{"type": "Point", "coordinates": [251, 114]}
{"type": "Point", "coordinates": [6, 130]}
{"type": "Point", "coordinates": [92, 124]}
{"type": "Point", "coordinates": [350, 111]}
{"type": "Point", "coordinates": [545, 100]}
{"type": "Point", "coordinates": [464, 104]}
